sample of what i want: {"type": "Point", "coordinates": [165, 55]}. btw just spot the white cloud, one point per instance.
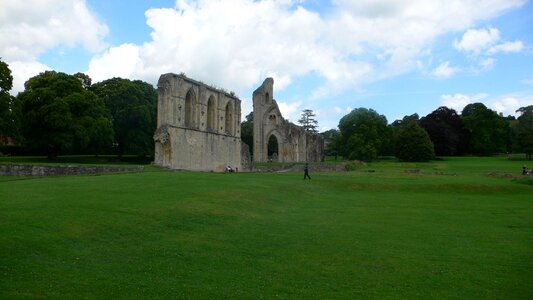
{"type": "Point", "coordinates": [237, 43]}
{"type": "Point", "coordinates": [116, 62]}
{"type": "Point", "coordinates": [444, 70]}
{"type": "Point", "coordinates": [487, 63]}
{"type": "Point", "coordinates": [507, 47]}
{"type": "Point", "coordinates": [339, 111]}
{"type": "Point", "coordinates": [482, 44]}
{"type": "Point", "coordinates": [459, 101]}
{"type": "Point", "coordinates": [22, 71]}
{"type": "Point", "coordinates": [31, 27]}
{"type": "Point", "coordinates": [290, 111]}
{"type": "Point", "coordinates": [507, 105]}
{"type": "Point", "coordinates": [477, 40]}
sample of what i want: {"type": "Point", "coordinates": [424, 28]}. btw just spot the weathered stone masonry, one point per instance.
{"type": "Point", "coordinates": [198, 126]}
{"type": "Point", "coordinates": [295, 144]}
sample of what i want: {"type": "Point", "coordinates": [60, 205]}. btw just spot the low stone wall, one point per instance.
{"type": "Point", "coordinates": [36, 170]}
{"type": "Point", "coordinates": [315, 167]}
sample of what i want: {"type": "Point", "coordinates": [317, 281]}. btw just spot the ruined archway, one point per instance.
{"type": "Point", "coordinates": [273, 148]}
{"type": "Point", "coordinates": [295, 144]}
{"type": "Point", "coordinates": [196, 126]}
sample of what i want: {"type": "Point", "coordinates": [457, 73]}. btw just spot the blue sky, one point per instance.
{"type": "Point", "coordinates": [397, 57]}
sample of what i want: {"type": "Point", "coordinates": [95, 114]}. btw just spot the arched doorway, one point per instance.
{"type": "Point", "coordinates": [273, 148]}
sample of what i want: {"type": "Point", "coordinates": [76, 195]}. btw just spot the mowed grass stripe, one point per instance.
{"type": "Point", "coordinates": [164, 234]}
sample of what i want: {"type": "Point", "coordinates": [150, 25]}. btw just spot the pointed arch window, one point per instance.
{"type": "Point", "coordinates": [229, 118]}
{"type": "Point", "coordinates": [189, 109]}
{"type": "Point", "coordinates": [211, 114]}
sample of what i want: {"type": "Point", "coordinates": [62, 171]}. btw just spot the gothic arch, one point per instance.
{"type": "Point", "coordinates": [211, 113]}
{"type": "Point", "coordinates": [229, 112]}
{"type": "Point", "coordinates": [190, 102]}
{"type": "Point", "coordinates": [273, 136]}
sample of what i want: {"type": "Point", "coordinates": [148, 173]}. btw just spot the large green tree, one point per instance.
{"type": "Point", "coordinates": [413, 143]}
{"type": "Point", "coordinates": [446, 130]}
{"type": "Point", "coordinates": [364, 133]}
{"type": "Point", "coordinates": [133, 108]}
{"type": "Point", "coordinates": [486, 129]}
{"type": "Point", "coordinates": [524, 130]}
{"type": "Point", "coordinates": [58, 114]}
{"type": "Point", "coordinates": [8, 124]}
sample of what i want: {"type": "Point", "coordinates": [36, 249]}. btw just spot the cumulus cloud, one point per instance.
{"type": "Point", "coordinates": [22, 71]}
{"type": "Point", "coordinates": [477, 40]}
{"type": "Point", "coordinates": [482, 44]}
{"type": "Point", "coordinates": [458, 101]}
{"type": "Point", "coordinates": [505, 104]}
{"type": "Point", "coordinates": [237, 43]}
{"type": "Point", "coordinates": [515, 46]}
{"type": "Point", "coordinates": [290, 111]}
{"type": "Point", "coordinates": [118, 61]}
{"type": "Point", "coordinates": [31, 27]}
{"type": "Point", "coordinates": [444, 70]}
{"type": "Point", "coordinates": [485, 41]}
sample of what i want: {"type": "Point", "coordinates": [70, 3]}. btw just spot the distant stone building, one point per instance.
{"type": "Point", "coordinates": [198, 126]}
{"type": "Point", "coordinates": [293, 143]}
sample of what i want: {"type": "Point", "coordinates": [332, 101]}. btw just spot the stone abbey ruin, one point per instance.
{"type": "Point", "coordinates": [199, 128]}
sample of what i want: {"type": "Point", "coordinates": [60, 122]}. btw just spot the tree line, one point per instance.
{"type": "Point", "coordinates": [59, 113]}
{"type": "Point", "coordinates": [364, 134]}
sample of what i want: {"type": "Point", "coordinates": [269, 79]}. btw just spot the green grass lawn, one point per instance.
{"type": "Point", "coordinates": [450, 231]}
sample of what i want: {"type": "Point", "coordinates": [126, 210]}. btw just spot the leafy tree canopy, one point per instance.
{"type": "Point", "coordinates": [486, 129]}
{"type": "Point", "coordinates": [6, 79]}
{"type": "Point", "coordinates": [59, 114]}
{"type": "Point", "coordinates": [413, 143]}
{"type": "Point", "coordinates": [446, 130]}
{"type": "Point", "coordinates": [525, 130]}
{"type": "Point", "coordinates": [363, 134]}
{"type": "Point", "coordinates": [8, 121]}
{"type": "Point", "coordinates": [133, 108]}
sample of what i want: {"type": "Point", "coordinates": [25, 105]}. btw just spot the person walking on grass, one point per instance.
{"type": "Point", "coordinates": [306, 171]}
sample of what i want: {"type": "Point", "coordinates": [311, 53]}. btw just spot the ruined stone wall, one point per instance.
{"type": "Point", "coordinates": [39, 170]}
{"type": "Point", "coordinates": [294, 143]}
{"type": "Point", "coordinates": [198, 126]}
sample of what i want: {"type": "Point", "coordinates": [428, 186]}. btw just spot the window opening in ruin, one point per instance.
{"type": "Point", "coordinates": [267, 98]}
{"type": "Point", "coordinates": [273, 119]}
{"type": "Point", "coordinates": [229, 118]}
{"type": "Point", "coordinates": [272, 148]}
{"type": "Point", "coordinates": [211, 113]}
{"type": "Point", "coordinates": [189, 100]}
